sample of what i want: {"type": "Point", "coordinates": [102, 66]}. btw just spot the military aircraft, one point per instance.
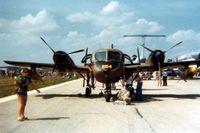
{"type": "Point", "coordinates": [106, 65]}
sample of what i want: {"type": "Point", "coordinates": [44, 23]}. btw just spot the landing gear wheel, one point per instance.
{"type": "Point", "coordinates": [88, 91]}
{"type": "Point", "coordinates": [101, 93]}
{"type": "Point", "coordinates": [108, 93]}
{"type": "Point", "coordinates": [108, 96]}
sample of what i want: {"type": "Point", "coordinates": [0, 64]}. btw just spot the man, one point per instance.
{"type": "Point", "coordinates": [123, 95]}
{"type": "Point", "coordinates": [164, 78]}
{"type": "Point", "coordinates": [138, 95]}
{"type": "Point", "coordinates": [22, 81]}
{"type": "Point", "coordinates": [129, 85]}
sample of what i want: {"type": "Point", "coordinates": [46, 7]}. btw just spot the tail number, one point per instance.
{"type": "Point", "coordinates": [106, 66]}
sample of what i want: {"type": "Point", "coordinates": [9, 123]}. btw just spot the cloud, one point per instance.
{"type": "Point", "coordinates": [102, 18]}
{"type": "Point", "coordinates": [185, 35]}
{"type": "Point", "coordinates": [72, 34]}
{"type": "Point", "coordinates": [75, 40]}
{"type": "Point", "coordinates": [109, 24]}
{"type": "Point", "coordinates": [79, 17]}
{"type": "Point", "coordinates": [104, 35]}
{"type": "Point", "coordinates": [110, 7]}
{"type": "Point", "coordinates": [21, 36]}
{"type": "Point", "coordinates": [190, 45]}
{"type": "Point", "coordinates": [142, 26]}
{"type": "Point", "coordinates": [150, 26]}
{"type": "Point", "coordinates": [123, 20]}
{"type": "Point", "coordinates": [97, 29]}
{"type": "Point", "coordinates": [40, 22]}
{"type": "Point", "coordinates": [27, 29]}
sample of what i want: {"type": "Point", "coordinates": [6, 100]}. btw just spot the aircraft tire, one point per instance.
{"type": "Point", "coordinates": [107, 97]}
{"type": "Point", "coordinates": [87, 91]}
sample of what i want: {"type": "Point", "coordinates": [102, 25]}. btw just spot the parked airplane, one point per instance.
{"type": "Point", "coordinates": [106, 65]}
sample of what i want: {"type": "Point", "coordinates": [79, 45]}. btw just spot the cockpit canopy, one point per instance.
{"type": "Point", "coordinates": [107, 55]}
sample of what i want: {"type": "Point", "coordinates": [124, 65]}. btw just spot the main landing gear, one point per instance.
{"type": "Point", "coordinates": [107, 93]}
{"type": "Point", "coordinates": [88, 91]}
{"type": "Point", "coordinates": [89, 87]}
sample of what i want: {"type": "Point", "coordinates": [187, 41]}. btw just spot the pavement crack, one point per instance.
{"type": "Point", "coordinates": [148, 123]}
{"type": "Point", "coordinates": [138, 112]}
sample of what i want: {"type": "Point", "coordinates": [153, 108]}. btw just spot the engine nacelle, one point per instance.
{"type": "Point", "coordinates": [187, 73]}
{"type": "Point", "coordinates": [62, 61]}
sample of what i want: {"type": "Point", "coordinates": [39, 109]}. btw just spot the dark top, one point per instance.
{"type": "Point", "coordinates": [22, 84]}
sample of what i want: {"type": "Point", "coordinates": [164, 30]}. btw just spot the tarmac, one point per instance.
{"type": "Point", "coordinates": [64, 109]}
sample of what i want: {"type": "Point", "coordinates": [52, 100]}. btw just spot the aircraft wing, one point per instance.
{"type": "Point", "coordinates": [181, 63]}
{"type": "Point", "coordinates": [145, 67]}
{"type": "Point", "coordinates": [136, 67]}
{"type": "Point", "coordinates": [45, 65]}
{"type": "Point", "coordinates": [29, 64]}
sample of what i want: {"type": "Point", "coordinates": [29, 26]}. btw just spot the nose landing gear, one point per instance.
{"type": "Point", "coordinates": [107, 93]}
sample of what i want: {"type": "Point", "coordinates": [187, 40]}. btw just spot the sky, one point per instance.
{"type": "Point", "coordinates": [70, 25]}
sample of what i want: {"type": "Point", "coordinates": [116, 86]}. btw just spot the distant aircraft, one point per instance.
{"type": "Point", "coordinates": [189, 57]}
{"type": "Point", "coordinates": [189, 72]}
{"type": "Point", "coordinates": [106, 65]}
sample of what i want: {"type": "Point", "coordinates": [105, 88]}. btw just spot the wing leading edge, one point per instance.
{"type": "Point", "coordinates": [45, 65]}
{"type": "Point", "coordinates": [146, 67]}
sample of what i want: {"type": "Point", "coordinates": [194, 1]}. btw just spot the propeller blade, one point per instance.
{"type": "Point", "coordinates": [173, 46]}
{"type": "Point", "coordinates": [146, 48]}
{"type": "Point", "coordinates": [76, 51]}
{"type": "Point", "coordinates": [112, 45]}
{"type": "Point", "coordinates": [138, 54]}
{"type": "Point", "coordinates": [86, 53]}
{"type": "Point", "coordinates": [47, 44]}
{"type": "Point", "coordinates": [54, 68]}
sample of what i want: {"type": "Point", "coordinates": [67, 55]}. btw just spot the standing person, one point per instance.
{"type": "Point", "coordinates": [157, 78]}
{"type": "Point", "coordinates": [22, 82]}
{"type": "Point", "coordinates": [164, 78]}
{"type": "Point", "coordinates": [138, 78]}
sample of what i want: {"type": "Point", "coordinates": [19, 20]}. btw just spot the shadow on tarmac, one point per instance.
{"type": "Point", "coordinates": [160, 97]}
{"type": "Point", "coordinates": [48, 96]}
{"type": "Point", "coordinates": [146, 97]}
{"type": "Point", "coordinates": [48, 118]}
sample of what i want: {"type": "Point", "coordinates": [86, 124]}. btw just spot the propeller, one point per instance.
{"type": "Point", "coordinates": [81, 50]}
{"type": "Point", "coordinates": [47, 45]}
{"type": "Point", "coordinates": [59, 55]}
{"type": "Point", "coordinates": [146, 48]}
{"type": "Point", "coordinates": [112, 45]}
{"type": "Point", "coordinates": [86, 53]}
{"type": "Point", "coordinates": [138, 55]}
{"type": "Point", "coordinates": [173, 46]}
{"type": "Point", "coordinates": [163, 51]}
{"type": "Point", "coordinates": [85, 62]}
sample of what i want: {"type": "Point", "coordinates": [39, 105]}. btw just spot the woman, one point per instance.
{"type": "Point", "coordinates": [22, 82]}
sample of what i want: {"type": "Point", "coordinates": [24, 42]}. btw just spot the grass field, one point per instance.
{"type": "Point", "coordinates": [7, 86]}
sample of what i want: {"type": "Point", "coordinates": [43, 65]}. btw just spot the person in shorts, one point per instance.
{"type": "Point", "coordinates": [22, 81]}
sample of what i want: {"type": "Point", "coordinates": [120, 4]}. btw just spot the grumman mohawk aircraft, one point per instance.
{"type": "Point", "coordinates": [106, 65]}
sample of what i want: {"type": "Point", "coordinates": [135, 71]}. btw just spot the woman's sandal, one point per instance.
{"type": "Point", "coordinates": [20, 119]}
{"type": "Point", "coordinates": [25, 118]}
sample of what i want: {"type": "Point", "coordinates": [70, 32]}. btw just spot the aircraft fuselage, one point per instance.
{"type": "Point", "coordinates": [107, 65]}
